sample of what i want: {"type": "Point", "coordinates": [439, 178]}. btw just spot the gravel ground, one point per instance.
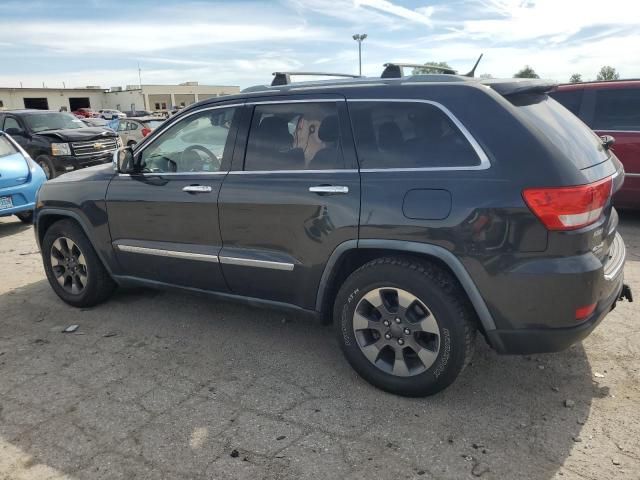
{"type": "Point", "coordinates": [157, 385]}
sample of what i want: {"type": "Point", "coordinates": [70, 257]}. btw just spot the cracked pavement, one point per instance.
{"type": "Point", "coordinates": [167, 385]}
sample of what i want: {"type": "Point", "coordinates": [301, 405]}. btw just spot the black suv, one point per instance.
{"type": "Point", "coordinates": [58, 141]}
{"type": "Point", "coordinates": [412, 211]}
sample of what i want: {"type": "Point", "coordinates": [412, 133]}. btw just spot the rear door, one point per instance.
{"type": "Point", "coordinates": [292, 197]}
{"type": "Point", "coordinates": [164, 219]}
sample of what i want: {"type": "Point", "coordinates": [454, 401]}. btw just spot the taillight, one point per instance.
{"type": "Point", "coordinates": [584, 312]}
{"type": "Point", "coordinates": [569, 208]}
{"type": "Point", "coordinates": [146, 131]}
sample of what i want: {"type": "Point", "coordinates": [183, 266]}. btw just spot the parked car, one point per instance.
{"type": "Point", "coordinates": [58, 141]}
{"type": "Point", "coordinates": [138, 113]}
{"type": "Point", "coordinates": [20, 179]}
{"type": "Point", "coordinates": [413, 212]}
{"type": "Point", "coordinates": [611, 108]}
{"type": "Point", "coordinates": [85, 113]}
{"type": "Point", "coordinates": [109, 114]}
{"type": "Point", "coordinates": [133, 130]}
{"type": "Point", "coordinates": [95, 122]}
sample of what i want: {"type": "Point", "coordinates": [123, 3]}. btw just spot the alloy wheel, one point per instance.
{"type": "Point", "coordinates": [69, 265]}
{"type": "Point", "coordinates": [396, 331]}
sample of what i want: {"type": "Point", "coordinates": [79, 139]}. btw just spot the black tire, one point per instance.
{"type": "Point", "coordinates": [446, 303]}
{"type": "Point", "coordinates": [46, 164]}
{"type": "Point", "coordinates": [26, 217]}
{"type": "Point", "coordinates": [131, 143]}
{"type": "Point", "coordinates": [98, 286]}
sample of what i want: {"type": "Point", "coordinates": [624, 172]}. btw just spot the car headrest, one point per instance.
{"type": "Point", "coordinates": [329, 130]}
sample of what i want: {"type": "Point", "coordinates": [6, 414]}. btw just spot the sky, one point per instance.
{"type": "Point", "coordinates": [102, 42]}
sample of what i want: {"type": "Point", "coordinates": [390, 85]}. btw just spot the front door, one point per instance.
{"type": "Point", "coordinates": [290, 200]}
{"type": "Point", "coordinates": [164, 219]}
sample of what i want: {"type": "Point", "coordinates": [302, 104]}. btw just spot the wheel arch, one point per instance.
{"type": "Point", "coordinates": [47, 217]}
{"type": "Point", "coordinates": [352, 254]}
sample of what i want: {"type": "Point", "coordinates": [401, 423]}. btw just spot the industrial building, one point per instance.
{"type": "Point", "coordinates": [133, 97]}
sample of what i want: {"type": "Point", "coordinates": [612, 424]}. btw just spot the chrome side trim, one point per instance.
{"type": "Point", "coordinates": [249, 262]}
{"type": "Point", "coordinates": [158, 252]}
{"type": "Point", "coordinates": [329, 189]}
{"type": "Point", "coordinates": [482, 156]}
{"type": "Point", "coordinates": [164, 174]}
{"type": "Point", "coordinates": [261, 172]}
{"type": "Point", "coordinates": [618, 131]}
{"type": "Point", "coordinates": [618, 254]}
{"type": "Point", "coordinates": [627, 174]}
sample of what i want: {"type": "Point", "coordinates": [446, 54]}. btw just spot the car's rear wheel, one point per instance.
{"type": "Point", "coordinates": [131, 143]}
{"type": "Point", "coordinates": [405, 326]}
{"type": "Point", "coordinates": [47, 165]}
{"type": "Point", "coordinates": [72, 266]}
{"type": "Point", "coordinates": [25, 217]}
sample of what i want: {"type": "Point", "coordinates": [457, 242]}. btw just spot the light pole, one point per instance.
{"type": "Point", "coordinates": [359, 37]}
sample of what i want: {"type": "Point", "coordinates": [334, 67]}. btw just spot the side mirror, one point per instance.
{"type": "Point", "coordinates": [123, 160]}
{"type": "Point", "coordinates": [607, 141]}
{"type": "Point", "coordinates": [14, 132]}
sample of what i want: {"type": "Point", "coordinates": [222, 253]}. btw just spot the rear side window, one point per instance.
{"type": "Point", "coordinates": [6, 148]}
{"type": "Point", "coordinates": [570, 99]}
{"type": "Point", "coordinates": [617, 109]}
{"type": "Point", "coordinates": [408, 135]}
{"type": "Point", "coordinates": [294, 136]}
{"type": "Point", "coordinates": [561, 128]}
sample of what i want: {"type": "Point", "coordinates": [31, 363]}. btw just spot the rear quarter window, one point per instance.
{"type": "Point", "coordinates": [6, 148]}
{"type": "Point", "coordinates": [408, 135]}
{"type": "Point", "coordinates": [559, 127]}
{"type": "Point", "coordinates": [617, 109]}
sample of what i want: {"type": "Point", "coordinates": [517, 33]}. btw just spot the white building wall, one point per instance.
{"type": "Point", "coordinates": [13, 98]}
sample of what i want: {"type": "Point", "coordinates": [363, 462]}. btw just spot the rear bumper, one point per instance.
{"type": "Point", "coordinates": [23, 196]}
{"type": "Point", "coordinates": [557, 296]}
{"type": "Point", "coordinates": [543, 340]}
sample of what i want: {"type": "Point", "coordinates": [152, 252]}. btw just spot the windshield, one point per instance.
{"type": "Point", "coordinates": [6, 148]}
{"type": "Point", "coordinates": [563, 129]}
{"type": "Point", "coordinates": [154, 123]}
{"type": "Point", "coordinates": [41, 122]}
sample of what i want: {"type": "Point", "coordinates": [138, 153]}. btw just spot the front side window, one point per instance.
{"type": "Point", "coordinates": [617, 109]}
{"type": "Point", "coordinates": [42, 122]}
{"type": "Point", "coordinates": [199, 143]}
{"type": "Point", "coordinates": [294, 136]}
{"type": "Point", "coordinates": [408, 135]}
{"type": "Point", "coordinates": [11, 123]}
{"type": "Point", "coordinates": [6, 147]}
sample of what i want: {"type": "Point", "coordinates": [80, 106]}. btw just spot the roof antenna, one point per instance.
{"type": "Point", "coordinates": [472, 72]}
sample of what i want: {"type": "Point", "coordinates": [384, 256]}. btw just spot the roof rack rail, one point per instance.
{"type": "Point", "coordinates": [284, 78]}
{"type": "Point", "coordinates": [396, 70]}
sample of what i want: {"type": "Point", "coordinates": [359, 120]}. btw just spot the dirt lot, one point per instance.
{"type": "Point", "coordinates": [166, 385]}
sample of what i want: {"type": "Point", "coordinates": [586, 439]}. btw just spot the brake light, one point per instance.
{"type": "Point", "coordinates": [146, 131]}
{"type": "Point", "coordinates": [569, 208]}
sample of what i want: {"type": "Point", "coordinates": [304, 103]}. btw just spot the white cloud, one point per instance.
{"type": "Point", "coordinates": [422, 15]}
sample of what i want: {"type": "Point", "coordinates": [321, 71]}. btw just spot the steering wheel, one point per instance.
{"type": "Point", "coordinates": [193, 162]}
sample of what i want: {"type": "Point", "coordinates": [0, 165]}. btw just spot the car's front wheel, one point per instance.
{"type": "Point", "coordinates": [405, 326]}
{"type": "Point", "coordinates": [72, 266]}
{"type": "Point", "coordinates": [47, 165]}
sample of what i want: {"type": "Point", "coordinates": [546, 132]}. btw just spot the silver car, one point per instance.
{"type": "Point", "coordinates": [133, 130]}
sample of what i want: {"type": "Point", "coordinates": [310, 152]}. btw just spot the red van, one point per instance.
{"type": "Point", "coordinates": [611, 108]}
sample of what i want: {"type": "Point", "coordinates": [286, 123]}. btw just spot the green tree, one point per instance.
{"type": "Point", "coordinates": [427, 70]}
{"type": "Point", "coordinates": [526, 72]}
{"type": "Point", "coordinates": [575, 78]}
{"type": "Point", "coordinates": [608, 73]}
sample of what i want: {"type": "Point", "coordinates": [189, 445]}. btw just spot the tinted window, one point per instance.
{"type": "Point", "coordinates": [199, 143]}
{"type": "Point", "coordinates": [570, 99]}
{"type": "Point", "coordinates": [11, 122]}
{"type": "Point", "coordinates": [294, 136]}
{"type": "Point", "coordinates": [408, 135]}
{"type": "Point", "coordinates": [560, 128]}
{"type": "Point", "coordinates": [6, 148]}
{"type": "Point", "coordinates": [617, 109]}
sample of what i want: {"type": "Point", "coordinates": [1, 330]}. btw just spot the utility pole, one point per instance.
{"type": "Point", "coordinates": [139, 76]}
{"type": "Point", "coordinates": [359, 37]}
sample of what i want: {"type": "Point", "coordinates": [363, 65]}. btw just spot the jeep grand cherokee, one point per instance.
{"type": "Point", "coordinates": [413, 211]}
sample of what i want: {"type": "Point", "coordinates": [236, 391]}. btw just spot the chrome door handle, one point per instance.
{"type": "Point", "coordinates": [329, 189]}
{"type": "Point", "coordinates": [197, 189]}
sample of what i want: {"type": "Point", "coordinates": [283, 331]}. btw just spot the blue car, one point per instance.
{"type": "Point", "coordinates": [20, 179]}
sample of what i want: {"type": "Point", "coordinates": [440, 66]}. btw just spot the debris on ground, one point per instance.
{"type": "Point", "coordinates": [479, 469]}
{"type": "Point", "coordinates": [110, 334]}
{"type": "Point", "coordinates": [71, 329]}
{"type": "Point", "coordinates": [234, 453]}
{"type": "Point", "coordinates": [555, 389]}
{"type": "Point", "coordinates": [281, 437]}
{"type": "Point", "coordinates": [577, 439]}
{"type": "Point", "coordinates": [598, 375]}
{"type": "Point", "coordinates": [569, 403]}
{"type": "Point", "coordinates": [615, 461]}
